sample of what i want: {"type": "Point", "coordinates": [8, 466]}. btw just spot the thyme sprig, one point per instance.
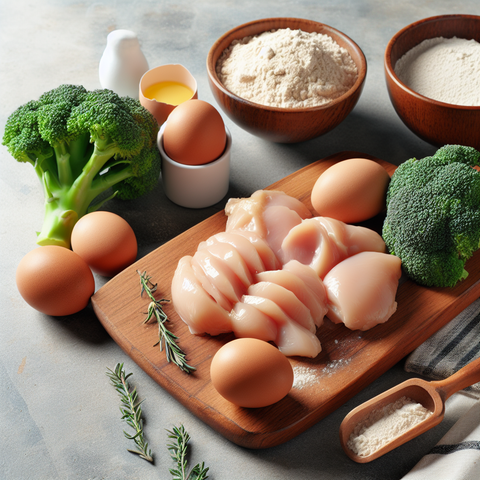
{"type": "Point", "coordinates": [166, 339]}
{"type": "Point", "coordinates": [131, 410]}
{"type": "Point", "coordinates": [178, 451]}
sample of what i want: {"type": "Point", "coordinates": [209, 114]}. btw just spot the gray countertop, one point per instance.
{"type": "Point", "coordinates": [59, 414]}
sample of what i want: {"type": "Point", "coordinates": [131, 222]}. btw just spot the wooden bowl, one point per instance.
{"type": "Point", "coordinates": [436, 122]}
{"type": "Point", "coordinates": [285, 125]}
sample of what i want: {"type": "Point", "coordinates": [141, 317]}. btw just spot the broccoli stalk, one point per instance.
{"type": "Point", "coordinates": [83, 144]}
{"type": "Point", "coordinates": [433, 215]}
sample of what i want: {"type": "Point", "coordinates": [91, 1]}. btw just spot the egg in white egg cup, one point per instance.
{"type": "Point", "coordinates": [195, 186]}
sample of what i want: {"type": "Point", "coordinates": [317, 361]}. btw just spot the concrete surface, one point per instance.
{"type": "Point", "coordinates": [59, 414]}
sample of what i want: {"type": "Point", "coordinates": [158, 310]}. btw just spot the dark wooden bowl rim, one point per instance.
{"type": "Point", "coordinates": [389, 68]}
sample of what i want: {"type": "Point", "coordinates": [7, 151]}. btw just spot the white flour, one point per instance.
{"type": "Point", "coordinates": [383, 426]}
{"type": "Point", "coordinates": [287, 68]}
{"type": "Point", "coordinates": [443, 69]}
{"type": "Point", "coordinates": [304, 377]}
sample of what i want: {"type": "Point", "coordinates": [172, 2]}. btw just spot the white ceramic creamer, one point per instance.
{"type": "Point", "coordinates": [122, 64]}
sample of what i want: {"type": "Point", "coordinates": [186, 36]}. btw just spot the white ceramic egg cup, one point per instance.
{"type": "Point", "coordinates": [195, 186]}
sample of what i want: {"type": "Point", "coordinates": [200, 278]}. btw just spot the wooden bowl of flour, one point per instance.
{"type": "Point", "coordinates": [436, 115]}
{"type": "Point", "coordinates": [285, 124]}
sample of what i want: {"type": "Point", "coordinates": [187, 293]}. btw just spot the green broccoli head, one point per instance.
{"type": "Point", "coordinates": [83, 144]}
{"type": "Point", "coordinates": [22, 135]}
{"type": "Point", "coordinates": [110, 122]}
{"type": "Point", "coordinates": [54, 110]}
{"type": "Point", "coordinates": [433, 215]}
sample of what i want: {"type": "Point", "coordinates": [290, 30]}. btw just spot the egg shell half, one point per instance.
{"type": "Point", "coordinates": [251, 373]}
{"type": "Point", "coordinates": [351, 191]}
{"type": "Point", "coordinates": [105, 241]}
{"type": "Point", "coordinates": [54, 280]}
{"type": "Point", "coordinates": [194, 133]}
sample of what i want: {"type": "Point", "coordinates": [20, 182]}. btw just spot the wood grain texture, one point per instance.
{"type": "Point", "coordinates": [435, 122]}
{"type": "Point", "coordinates": [285, 125]}
{"type": "Point", "coordinates": [350, 360]}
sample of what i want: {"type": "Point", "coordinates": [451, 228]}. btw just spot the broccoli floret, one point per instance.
{"type": "Point", "coordinates": [433, 215]}
{"type": "Point", "coordinates": [82, 144]}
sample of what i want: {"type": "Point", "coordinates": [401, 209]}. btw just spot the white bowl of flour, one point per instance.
{"type": "Point", "coordinates": [432, 69]}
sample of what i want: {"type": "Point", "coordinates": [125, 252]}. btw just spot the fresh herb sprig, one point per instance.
{"type": "Point", "coordinates": [166, 339]}
{"type": "Point", "coordinates": [178, 451]}
{"type": "Point", "coordinates": [131, 410]}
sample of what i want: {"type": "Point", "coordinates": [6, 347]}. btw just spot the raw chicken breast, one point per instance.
{"type": "Point", "coordinates": [209, 287]}
{"type": "Point", "coordinates": [322, 242]}
{"type": "Point", "coordinates": [279, 221]}
{"type": "Point", "coordinates": [249, 322]}
{"type": "Point", "coordinates": [292, 339]}
{"type": "Point", "coordinates": [269, 259]}
{"type": "Point", "coordinates": [316, 304]}
{"type": "Point", "coordinates": [286, 300]}
{"type": "Point", "coordinates": [229, 255]}
{"type": "Point", "coordinates": [222, 277]}
{"type": "Point", "coordinates": [352, 238]}
{"type": "Point", "coordinates": [312, 281]}
{"type": "Point", "coordinates": [244, 247]}
{"type": "Point", "coordinates": [361, 290]}
{"type": "Point", "coordinates": [247, 213]}
{"type": "Point", "coordinates": [262, 277]}
{"type": "Point", "coordinates": [309, 244]}
{"type": "Point", "coordinates": [195, 307]}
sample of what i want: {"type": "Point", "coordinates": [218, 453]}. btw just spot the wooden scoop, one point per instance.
{"type": "Point", "coordinates": [431, 395]}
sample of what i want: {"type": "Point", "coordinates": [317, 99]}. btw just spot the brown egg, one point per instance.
{"type": "Point", "coordinates": [251, 373]}
{"type": "Point", "coordinates": [194, 133]}
{"type": "Point", "coordinates": [105, 241]}
{"type": "Point", "coordinates": [352, 190]}
{"type": "Point", "coordinates": [54, 280]}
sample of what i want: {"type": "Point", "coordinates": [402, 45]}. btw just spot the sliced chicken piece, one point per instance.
{"type": "Point", "coordinates": [353, 238]}
{"type": "Point", "coordinates": [209, 287]}
{"type": "Point", "coordinates": [312, 281]}
{"type": "Point", "coordinates": [220, 275]}
{"type": "Point", "coordinates": [292, 339]}
{"type": "Point", "coordinates": [309, 244]}
{"type": "Point", "coordinates": [286, 300]}
{"type": "Point", "coordinates": [194, 305]}
{"type": "Point", "coordinates": [249, 322]}
{"type": "Point", "coordinates": [247, 213]}
{"type": "Point", "coordinates": [279, 221]}
{"type": "Point", "coordinates": [317, 305]}
{"type": "Point", "coordinates": [276, 197]}
{"type": "Point", "coordinates": [322, 243]}
{"type": "Point", "coordinates": [229, 255]}
{"type": "Point", "coordinates": [244, 247]}
{"type": "Point", "coordinates": [361, 290]}
{"type": "Point", "coordinates": [269, 259]}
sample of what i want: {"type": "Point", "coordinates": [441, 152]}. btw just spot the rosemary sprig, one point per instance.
{"type": "Point", "coordinates": [131, 410]}
{"type": "Point", "coordinates": [166, 339]}
{"type": "Point", "coordinates": [178, 452]}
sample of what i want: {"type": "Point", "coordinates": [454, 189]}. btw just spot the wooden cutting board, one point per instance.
{"type": "Point", "coordinates": [350, 360]}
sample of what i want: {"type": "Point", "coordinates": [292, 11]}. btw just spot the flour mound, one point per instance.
{"type": "Point", "coordinates": [443, 69]}
{"type": "Point", "coordinates": [287, 68]}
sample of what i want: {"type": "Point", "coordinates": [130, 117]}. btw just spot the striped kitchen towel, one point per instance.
{"type": "Point", "coordinates": [451, 348]}
{"type": "Point", "coordinates": [457, 455]}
